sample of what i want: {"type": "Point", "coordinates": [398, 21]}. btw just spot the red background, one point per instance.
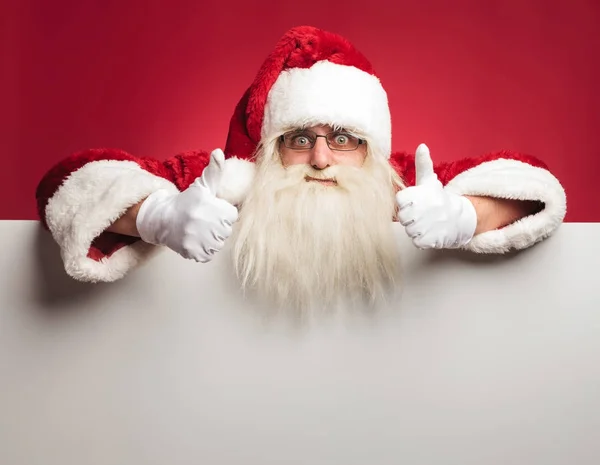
{"type": "Point", "coordinates": [155, 78]}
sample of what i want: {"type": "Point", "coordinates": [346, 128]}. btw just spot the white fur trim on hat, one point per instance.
{"type": "Point", "coordinates": [328, 93]}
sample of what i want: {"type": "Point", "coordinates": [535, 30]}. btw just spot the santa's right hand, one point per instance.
{"type": "Point", "coordinates": [194, 223]}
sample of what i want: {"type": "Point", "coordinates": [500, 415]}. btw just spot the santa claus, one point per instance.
{"type": "Point", "coordinates": [305, 192]}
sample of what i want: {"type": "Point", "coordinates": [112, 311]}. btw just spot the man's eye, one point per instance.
{"type": "Point", "coordinates": [301, 140]}
{"type": "Point", "coordinates": [341, 139]}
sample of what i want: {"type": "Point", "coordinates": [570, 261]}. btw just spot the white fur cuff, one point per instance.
{"type": "Point", "coordinates": [512, 179]}
{"type": "Point", "coordinates": [89, 201]}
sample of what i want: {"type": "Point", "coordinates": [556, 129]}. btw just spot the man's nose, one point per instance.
{"type": "Point", "coordinates": [321, 156]}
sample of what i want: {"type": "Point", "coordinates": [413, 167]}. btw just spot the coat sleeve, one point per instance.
{"type": "Point", "coordinates": [503, 174]}
{"type": "Point", "coordinates": [79, 197]}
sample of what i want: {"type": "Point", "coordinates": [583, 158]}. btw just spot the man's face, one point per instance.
{"type": "Point", "coordinates": [337, 148]}
{"type": "Point", "coordinates": [317, 223]}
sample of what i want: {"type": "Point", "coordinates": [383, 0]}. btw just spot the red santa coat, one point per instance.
{"type": "Point", "coordinates": [85, 193]}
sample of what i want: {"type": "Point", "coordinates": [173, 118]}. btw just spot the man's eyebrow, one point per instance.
{"type": "Point", "coordinates": [342, 129]}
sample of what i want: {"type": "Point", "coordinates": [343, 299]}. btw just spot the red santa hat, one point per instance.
{"type": "Point", "coordinates": [311, 77]}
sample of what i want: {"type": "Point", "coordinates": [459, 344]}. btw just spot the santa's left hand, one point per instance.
{"type": "Point", "coordinates": [432, 216]}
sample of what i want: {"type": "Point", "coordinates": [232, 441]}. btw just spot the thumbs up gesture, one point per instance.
{"type": "Point", "coordinates": [194, 223]}
{"type": "Point", "coordinates": [432, 216]}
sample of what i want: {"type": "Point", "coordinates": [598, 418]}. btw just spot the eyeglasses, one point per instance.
{"type": "Point", "coordinates": [306, 139]}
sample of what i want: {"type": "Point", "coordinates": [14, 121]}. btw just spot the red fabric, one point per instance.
{"type": "Point", "coordinates": [107, 244]}
{"type": "Point", "coordinates": [300, 47]}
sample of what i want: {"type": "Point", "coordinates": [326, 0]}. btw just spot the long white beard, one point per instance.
{"type": "Point", "coordinates": [305, 244]}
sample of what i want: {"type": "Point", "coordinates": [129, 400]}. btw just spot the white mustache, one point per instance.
{"type": "Point", "coordinates": [307, 171]}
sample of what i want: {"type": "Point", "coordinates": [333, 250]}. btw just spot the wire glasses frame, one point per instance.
{"type": "Point", "coordinates": [306, 140]}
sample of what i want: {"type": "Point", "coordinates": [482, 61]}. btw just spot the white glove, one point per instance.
{"type": "Point", "coordinates": [432, 216]}
{"type": "Point", "coordinates": [194, 223]}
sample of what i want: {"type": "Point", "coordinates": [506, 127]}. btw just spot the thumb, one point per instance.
{"type": "Point", "coordinates": [211, 175]}
{"type": "Point", "coordinates": [423, 166]}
